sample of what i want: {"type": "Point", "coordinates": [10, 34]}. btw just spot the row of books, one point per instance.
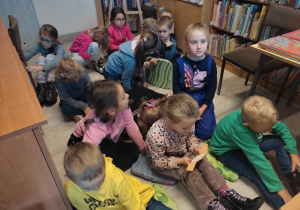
{"type": "Point", "coordinates": [283, 2]}
{"type": "Point", "coordinates": [221, 44]}
{"type": "Point", "coordinates": [241, 19]}
{"type": "Point", "coordinates": [119, 3]}
{"type": "Point", "coordinates": [277, 77]}
{"type": "Point", "coordinates": [269, 32]}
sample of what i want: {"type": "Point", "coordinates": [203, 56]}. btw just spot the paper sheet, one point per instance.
{"type": "Point", "coordinates": [192, 164]}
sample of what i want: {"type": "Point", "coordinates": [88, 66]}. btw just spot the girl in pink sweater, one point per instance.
{"type": "Point", "coordinates": [118, 30]}
{"type": "Point", "coordinates": [105, 123]}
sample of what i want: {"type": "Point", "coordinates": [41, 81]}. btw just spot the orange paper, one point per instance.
{"type": "Point", "coordinates": [293, 204]}
{"type": "Point", "coordinates": [192, 164]}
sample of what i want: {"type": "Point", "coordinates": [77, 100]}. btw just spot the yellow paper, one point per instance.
{"type": "Point", "coordinates": [192, 164]}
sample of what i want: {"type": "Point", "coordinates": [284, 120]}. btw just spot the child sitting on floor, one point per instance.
{"type": "Point", "coordinates": [239, 142]}
{"type": "Point", "coordinates": [71, 81]}
{"type": "Point", "coordinates": [167, 12]}
{"type": "Point", "coordinates": [51, 54]}
{"type": "Point", "coordinates": [171, 145]}
{"type": "Point", "coordinates": [118, 29]}
{"type": "Point", "coordinates": [96, 183]}
{"type": "Point", "coordinates": [196, 74]}
{"type": "Point", "coordinates": [104, 124]}
{"type": "Point", "coordinates": [168, 45]}
{"type": "Point", "coordinates": [91, 45]}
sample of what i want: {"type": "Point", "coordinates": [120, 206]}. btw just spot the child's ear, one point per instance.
{"type": "Point", "coordinates": [185, 44]}
{"type": "Point", "coordinates": [246, 124]}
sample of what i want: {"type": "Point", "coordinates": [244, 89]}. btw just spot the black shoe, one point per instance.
{"type": "Point", "coordinates": [74, 140]}
{"type": "Point", "coordinates": [51, 95]}
{"type": "Point", "coordinates": [294, 181]}
{"type": "Point", "coordinates": [239, 202]}
{"type": "Point", "coordinates": [219, 204]}
{"type": "Point", "coordinates": [41, 90]}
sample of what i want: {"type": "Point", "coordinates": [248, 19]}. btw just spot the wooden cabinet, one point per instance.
{"type": "Point", "coordinates": [28, 177]}
{"type": "Point", "coordinates": [185, 13]}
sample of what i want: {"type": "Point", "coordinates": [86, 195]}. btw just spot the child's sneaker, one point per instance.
{"type": "Point", "coordinates": [51, 94]}
{"type": "Point", "coordinates": [41, 90]}
{"type": "Point", "coordinates": [74, 140]}
{"type": "Point", "coordinates": [240, 202]}
{"type": "Point", "coordinates": [294, 181]}
{"type": "Point", "coordinates": [99, 66]}
{"type": "Point", "coordinates": [217, 204]}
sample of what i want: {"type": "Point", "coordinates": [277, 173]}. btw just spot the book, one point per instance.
{"type": "Point", "coordinates": [293, 35]}
{"type": "Point", "coordinates": [283, 46]}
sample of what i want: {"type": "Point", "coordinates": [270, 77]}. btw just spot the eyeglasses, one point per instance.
{"type": "Point", "coordinates": [120, 20]}
{"type": "Point", "coordinates": [46, 41]}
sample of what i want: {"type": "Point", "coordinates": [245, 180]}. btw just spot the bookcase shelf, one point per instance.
{"type": "Point", "coordinates": [228, 32]}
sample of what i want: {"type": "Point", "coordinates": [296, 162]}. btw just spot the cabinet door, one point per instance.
{"type": "Point", "coordinates": [185, 15]}
{"type": "Point", "coordinates": [25, 178]}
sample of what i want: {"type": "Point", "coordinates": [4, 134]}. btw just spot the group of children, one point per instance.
{"type": "Point", "coordinates": [167, 128]}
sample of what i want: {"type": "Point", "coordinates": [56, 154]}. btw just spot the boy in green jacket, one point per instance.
{"type": "Point", "coordinates": [239, 142]}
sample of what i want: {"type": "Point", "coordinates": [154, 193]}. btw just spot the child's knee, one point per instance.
{"type": "Point", "coordinates": [49, 58]}
{"type": "Point", "coordinates": [41, 60]}
{"type": "Point", "coordinates": [94, 45]}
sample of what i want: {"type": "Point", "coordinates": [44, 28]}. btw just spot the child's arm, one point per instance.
{"type": "Point", "coordinates": [295, 161]}
{"type": "Point", "coordinates": [176, 79]}
{"type": "Point", "coordinates": [67, 98]}
{"type": "Point", "coordinates": [286, 197]}
{"type": "Point", "coordinates": [60, 53]}
{"type": "Point", "coordinates": [152, 62]}
{"type": "Point", "coordinates": [32, 52]}
{"type": "Point", "coordinates": [129, 35]}
{"type": "Point", "coordinates": [113, 42]}
{"type": "Point", "coordinates": [201, 110]}
{"type": "Point", "coordinates": [85, 42]}
{"type": "Point", "coordinates": [133, 130]}
{"type": "Point", "coordinates": [212, 86]}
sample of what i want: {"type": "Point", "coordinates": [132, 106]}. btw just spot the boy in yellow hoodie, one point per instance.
{"type": "Point", "coordinates": [96, 183]}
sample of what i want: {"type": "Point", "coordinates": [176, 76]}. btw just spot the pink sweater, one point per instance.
{"type": "Point", "coordinates": [118, 36]}
{"type": "Point", "coordinates": [81, 44]}
{"type": "Point", "coordinates": [98, 130]}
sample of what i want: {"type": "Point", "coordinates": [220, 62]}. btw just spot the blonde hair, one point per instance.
{"type": "Point", "coordinates": [149, 112]}
{"type": "Point", "coordinates": [69, 70]}
{"type": "Point", "coordinates": [258, 111]}
{"type": "Point", "coordinates": [165, 21]}
{"type": "Point", "coordinates": [150, 24]}
{"type": "Point", "coordinates": [194, 27]}
{"type": "Point", "coordinates": [84, 161]}
{"type": "Point", "coordinates": [161, 11]}
{"type": "Point", "coordinates": [180, 106]}
{"type": "Point", "coordinates": [100, 35]}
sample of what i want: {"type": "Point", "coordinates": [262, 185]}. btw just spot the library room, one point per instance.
{"type": "Point", "coordinates": [79, 80]}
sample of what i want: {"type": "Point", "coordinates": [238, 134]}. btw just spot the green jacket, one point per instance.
{"type": "Point", "coordinates": [231, 134]}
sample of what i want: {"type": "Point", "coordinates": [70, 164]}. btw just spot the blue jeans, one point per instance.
{"type": "Point", "coordinates": [70, 110]}
{"type": "Point", "coordinates": [238, 162]}
{"type": "Point", "coordinates": [93, 51]}
{"type": "Point", "coordinates": [156, 205]}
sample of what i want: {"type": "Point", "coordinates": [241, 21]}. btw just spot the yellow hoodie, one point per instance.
{"type": "Point", "coordinates": [118, 191]}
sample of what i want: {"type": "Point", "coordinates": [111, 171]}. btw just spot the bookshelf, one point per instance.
{"type": "Point", "coordinates": [249, 29]}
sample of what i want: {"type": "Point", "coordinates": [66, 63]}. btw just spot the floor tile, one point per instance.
{"type": "Point", "coordinates": [58, 160]}
{"type": "Point", "coordinates": [224, 103]}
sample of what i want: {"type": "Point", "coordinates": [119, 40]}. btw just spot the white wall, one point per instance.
{"type": "Point", "coordinates": [67, 16]}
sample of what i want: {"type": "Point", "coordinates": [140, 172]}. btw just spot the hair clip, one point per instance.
{"type": "Point", "coordinates": [158, 42]}
{"type": "Point", "coordinates": [150, 105]}
{"type": "Point", "coordinates": [145, 39]}
{"type": "Point", "coordinates": [62, 75]}
{"type": "Point", "coordinates": [97, 119]}
{"type": "Point", "coordinates": [168, 95]}
{"type": "Point", "coordinates": [161, 9]}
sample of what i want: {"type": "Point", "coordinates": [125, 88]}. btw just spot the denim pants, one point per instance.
{"type": "Point", "coordinates": [202, 182]}
{"type": "Point", "coordinates": [69, 110]}
{"type": "Point", "coordinates": [238, 162]}
{"type": "Point", "coordinates": [92, 50]}
{"type": "Point", "coordinates": [156, 205]}
{"type": "Point", "coordinates": [44, 77]}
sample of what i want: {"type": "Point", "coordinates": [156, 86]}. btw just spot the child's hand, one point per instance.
{"type": "Point", "coordinates": [87, 110]}
{"type": "Point", "coordinates": [184, 161]}
{"type": "Point", "coordinates": [197, 151]}
{"type": "Point", "coordinates": [34, 69]}
{"type": "Point", "coordinates": [168, 43]}
{"type": "Point", "coordinates": [286, 197]}
{"type": "Point", "coordinates": [145, 85]}
{"type": "Point", "coordinates": [146, 65]}
{"type": "Point", "coordinates": [201, 110]}
{"type": "Point", "coordinates": [153, 62]}
{"type": "Point", "coordinates": [295, 161]}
